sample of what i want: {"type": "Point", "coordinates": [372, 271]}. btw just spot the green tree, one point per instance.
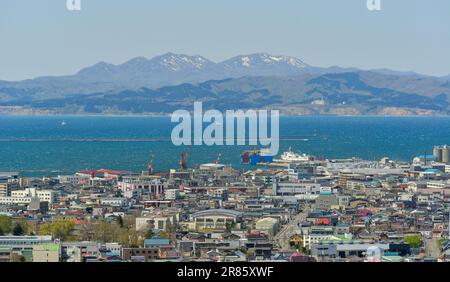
{"type": "Point", "coordinates": [18, 230]}
{"type": "Point", "coordinates": [5, 224]}
{"type": "Point", "coordinates": [442, 242]}
{"type": "Point", "coordinates": [21, 227]}
{"type": "Point", "coordinates": [149, 234]}
{"type": "Point", "coordinates": [414, 241]}
{"type": "Point", "coordinates": [105, 231]}
{"type": "Point", "coordinates": [130, 238]}
{"type": "Point", "coordinates": [59, 228]}
{"type": "Point", "coordinates": [1, 232]}
{"type": "Point", "coordinates": [120, 221]}
{"type": "Point", "coordinates": [250, 253]}
{"type": "Point", "coordinates": [164, 235]}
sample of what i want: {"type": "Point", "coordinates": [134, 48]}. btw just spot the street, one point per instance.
{"type": "Point", "coordinates": [283, 236]}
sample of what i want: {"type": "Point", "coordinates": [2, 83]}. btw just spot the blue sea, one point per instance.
{"type": "Point", "coordinates": [78, 144]}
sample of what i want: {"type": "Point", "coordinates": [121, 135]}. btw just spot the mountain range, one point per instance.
{"type": "Point", "coordinates": [171, 81]}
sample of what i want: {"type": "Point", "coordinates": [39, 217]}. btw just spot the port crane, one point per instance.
{"type": "Point", "coordinates": [219, 155]}
{"type": "Point", "coordinates": [150, 164]}
{"type": "Point", "coordinates": [183, 161]}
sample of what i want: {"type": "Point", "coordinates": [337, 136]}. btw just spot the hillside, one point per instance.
{"type": "Point", "coordinates": [353, 93]}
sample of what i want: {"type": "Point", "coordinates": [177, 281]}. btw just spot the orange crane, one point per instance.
{"type": "Point", "coordinates": [183, 161]}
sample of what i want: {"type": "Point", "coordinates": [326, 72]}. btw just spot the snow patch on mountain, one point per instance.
{"type": "Point", "coordinates": [245, 61]}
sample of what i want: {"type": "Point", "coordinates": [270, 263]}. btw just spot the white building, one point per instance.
{"type": "Point", "coordinates": [307, 191]}
{"type": "Point", "coordinates": [115, 202]}
{"type": "Point", "coordinates": [73, 179]}
{"type": "Point", "coordinates": [112, 247]}
{"type": "Point", "coordinates": [15, 200]}
{"type": "Point", "coordinates": [132, 186]}
{"type": "Point", "coordinates": [438, 184]}
{"type": "Point", "coordinates": [310, 239]}
{"type": "Point", "coordinates": [20, 241]}
{"type": "Point", "coordinates": [155, 222]}
{"type": "Point", "coordinates": [171, 194]}
{"type": "Point", "coordinates": [43, 195]}
{"type": "Point", "coordinates": [24, 196]}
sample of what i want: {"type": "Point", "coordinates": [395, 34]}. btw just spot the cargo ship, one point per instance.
{"type": "Point", "coordinates": [257, 156]}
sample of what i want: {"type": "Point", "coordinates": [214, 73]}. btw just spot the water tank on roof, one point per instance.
{"type": "Point", "coordinates": [446, 154]}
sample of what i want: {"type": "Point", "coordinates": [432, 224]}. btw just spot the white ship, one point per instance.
{"type": "Point", "coordinates": [290, 156]}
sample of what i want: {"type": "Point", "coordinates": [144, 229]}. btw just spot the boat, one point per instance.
{"type": "Point", "coordinates": [290, 156]}
{"type": "Point", "coordinates": [256, 156]}
{"type": "Point", "coordinates": [63, 123]}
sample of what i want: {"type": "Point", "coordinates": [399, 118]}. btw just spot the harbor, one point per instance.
{"type": "Point", "coordinates": [287, 208]}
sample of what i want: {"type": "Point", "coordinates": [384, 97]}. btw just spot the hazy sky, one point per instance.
{"type": "Point", "coordinates": [40, 37]}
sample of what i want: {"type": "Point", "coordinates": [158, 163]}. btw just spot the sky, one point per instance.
{"type": "Point", "coordinates": [41, 37]}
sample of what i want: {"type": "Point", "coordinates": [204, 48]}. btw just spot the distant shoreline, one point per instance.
{"type": "Point", "coordinates": [169, 114]}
